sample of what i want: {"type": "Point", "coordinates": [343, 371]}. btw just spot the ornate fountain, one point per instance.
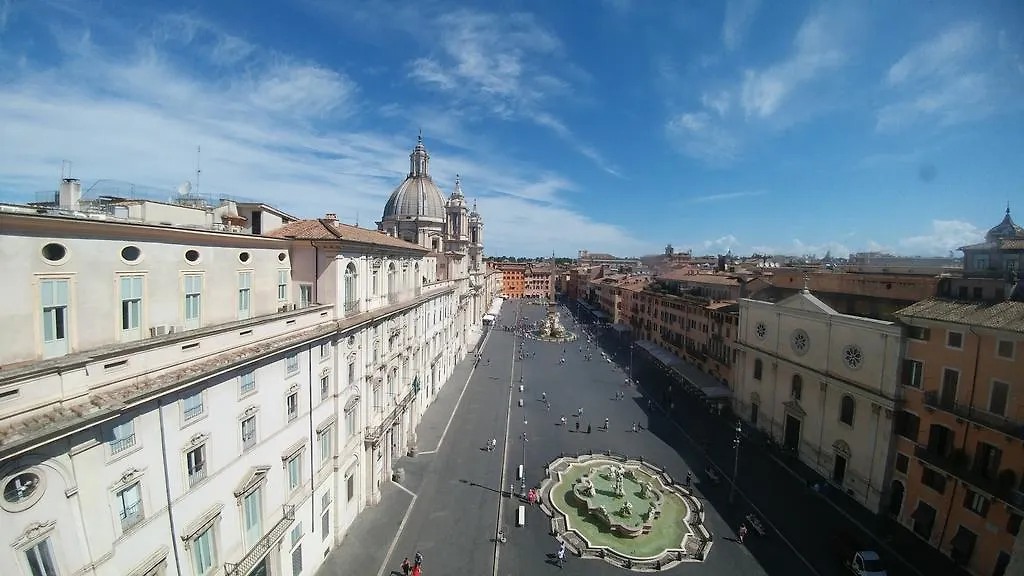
{"type": "Point", "coordinates": [550, 329]}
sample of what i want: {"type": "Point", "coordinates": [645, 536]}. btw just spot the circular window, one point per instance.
{"type": "Point", "coordinates": [853, 356]}
{"type": "Point", "coordinates": [244, 257]}
{"type": "Point", "coordinates": [54, 253]}
{"type": "Point", "coordinates": [192, 256]}
{"type": "Point", "coordinates": [800, 342]}
{"type": "Point", "coordinates": [282, 256]}
{"type": "Point", "coordinates": [351, 340]}
{"type": "Point", "coordinates": [131, 253]}
{"type": "Point", "coordinates": [22, 490]}
{"type": "Point", "coordinates": [761, 330]}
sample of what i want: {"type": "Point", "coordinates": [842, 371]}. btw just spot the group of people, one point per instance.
{"type": "Point", "coordinates": [414, 568]}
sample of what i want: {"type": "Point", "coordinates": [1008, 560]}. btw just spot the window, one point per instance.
{"type": "Point", "coordinates": [324, 439]}
{"type": "Point", "coordinates": [902, 462]}
{"type": "Point", "coordinates": [325, 515]}
{"type": "Point", "coordinates": [129, 506]}
{"type": "Point", "coordinates": [297, 561]}
{"type": "Point", "coordinates": [758, 368]}
{"type": "Point", "coordinates": [54, 299]}
{"type": "Point", "coordinates": [987, 460]}
{"type": "Point", "coordinates": [248, 432]}
{"type": "Point", "coordinates": [998, 397]}
{"type": "Point", "coordinates": [376, 281]}
{"type": "Point", "coordinates": [924, 520]}
{"type": "Point", "coordinates": [932, 479]}
{"type": "Point", "coordinates": [912, 373]}
{"type": "Point", "coordinates": [294, 472]}
{"type": "Point", "coordinates": [291, 364]}
{"type": "Point", "coordinates": [1013, 523]}
{"type": "Point", "coordinates": [918, 333]}
{"type": "Point", "coordinates": [351, 373]}
{"type": "Point", "coordinates": [350, 422]}
{"type": "Point", "coordinates": [1005, 349]}
{"type": "Point", "coordinates": [252, 512]}
{"type": "Point", "coordinates": [908, 425]}
{"type": "Point", "coordinates": [204, 552]}
{"type": "Point", "coordinates": [976, 503]}
{"type": "Point", "coordinates": [193, 300]}
{"type": "Point", "coordinates": [244, 295]}
{"type": "Point", "coordinates": [246, 382]}
{"type": "Point", "coordinates": [292, 406]}
{"type": "Point", "coordinates": [282, 285]}
{"type": "Point", "coordinates": [131, 307]}
{"type": "Point", "coordinates": [847, 407]}
{"type": "Point", "coordinates": [954, 339]}
{"type": "Point", "coordinates": [195, 462]}
{"type": "Point", "coordinates": [350, 486]}
{"type": "Point", "coordinates": [192, 406]}
{"type": "Point", "coordinates": [796, 387]}
{"type": "Point", "coordinates": [305, 295]}
{"type": "Point", "coordinates": [296, 534]}
{"type": "Point", "coordinates": [40, 559]}
{"type": "Point", "coordinates": [325, 388]}
{"type": "Point", "coordinates": [122, 437]}
{"type": "Point", "coordinates": [325, 350]}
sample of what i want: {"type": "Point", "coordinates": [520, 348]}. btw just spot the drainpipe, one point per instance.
{"type": "Point", "coordinates": [316, 272]}
{"type": "Point", "coordinates": [878, 421]}
{"type": "Point", "coordinates": [167, 487]}
{"type": "Point", "coordinates": [967, 429]}
{"type": "Point", "coordinates": [824, 399]}
{"type": "Point", "coordinates": [775, 378]}
{"type": "Point", "coordinates": [312, 442]}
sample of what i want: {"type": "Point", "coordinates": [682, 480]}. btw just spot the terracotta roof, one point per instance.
{"type": "Point", "coordinates": [1006, 315]}
{"type": "Point", "coordinates": [323, 229]}
{"type": "Point", "coordinates": [686, 276]}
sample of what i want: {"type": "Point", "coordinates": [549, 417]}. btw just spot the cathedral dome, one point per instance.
{"type": "Point", "coordinates": [417, 196]}
{"type": "Point", "coordinates": [1005, 229]}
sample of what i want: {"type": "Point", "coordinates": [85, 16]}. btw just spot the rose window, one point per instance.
{"type": "Point", "coordinates": [761, 330]}
{"type": "Point", "coordinates": [800, 342]}
{"type": "Point", "coordinates": [853, 357]}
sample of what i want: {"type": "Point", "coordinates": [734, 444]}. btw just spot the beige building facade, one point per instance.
{"type": "Point", "coordinates": [823, 385]}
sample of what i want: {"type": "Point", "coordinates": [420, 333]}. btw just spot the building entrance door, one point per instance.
{"type": "Point", "coordinates": [791, 434]}
{"type": "Point", "coordinates": [896, 498]}
{"type": "Point", "coordinates": [753, 414]}
{"type": "Point", "coordinates": [839, 469]}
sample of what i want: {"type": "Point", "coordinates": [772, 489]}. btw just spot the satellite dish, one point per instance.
{"type": "Point", "coordinates": [185, 188]}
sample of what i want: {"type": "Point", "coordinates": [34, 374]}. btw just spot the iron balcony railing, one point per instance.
{"type": "Point", "coordinates": [373, 433]}
{"type": "Point", "coordinates": [351, 307]}
{"type": "Point", "coordinates": [393, 297]}
{"type": "Point", "coordinates": [131, 516]}
{"type": "Point", "coordinates": [196, 475]}
{"type": "Point", "coordinates": [259, 551]}
{"type": "Point", "coordinates": [193, 412]}
{"type": "Point", "coordinates": [122, 444]}
{"type": "Point", "coordinates": [999, 484]}
{"type": "Point", "coordinates": [934, 399]}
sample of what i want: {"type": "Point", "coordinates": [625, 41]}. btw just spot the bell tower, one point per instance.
{"type": "Point", "coordinates": [476, 239]}
{"type": "Point", "coordinates": [457, 220]}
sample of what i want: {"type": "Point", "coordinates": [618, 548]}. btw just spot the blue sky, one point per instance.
{"type": "Point", "coordinates": [614, 126]}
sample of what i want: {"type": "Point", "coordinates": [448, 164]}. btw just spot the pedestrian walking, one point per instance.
{"type": "Point", "coordinates": [406, 566]}
{"type": "Point", "coordinates": [577, 425]}
{"type": "Point", "coordinates": [416, 570]}
{"type": "Point", "coordinates": [606, 424]}
{"type": "Point", "coordinates": [689, 478]}
{"type": "Point", "coordinates": [742, 532]}
{"type": "Point", "coordinates": [589, 430]}
{"type": "Point", "coordinates": [563, 420]}
{"type": "Point", "coordinates": [418, 559]}
{"type": "Point", "coordinates": [635, 427]}
{"type": "Point", "coordinates": [561, 554]}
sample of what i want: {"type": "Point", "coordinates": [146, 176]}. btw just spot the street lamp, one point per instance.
{"type": "Point", "coordinates": [631, 346]}
{"type": "Point", "coordinates": [522, 481]}
{"type": "Point", "coordinates": [736, 460]}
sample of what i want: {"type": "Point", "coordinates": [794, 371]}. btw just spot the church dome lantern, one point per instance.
{"type": "Point", "coordinates": [417, 196]}
{"type": "Point", "coordinates": [1005, 229]}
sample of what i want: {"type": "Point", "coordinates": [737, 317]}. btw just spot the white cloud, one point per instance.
{"type": "Point", "coordinates": [944, 236]}
{"type": "Point", "coordinates": [738, 16]}
{"type": "Point", "coordinates": [957, 76]}
{"type": "Point", "coordinates": [275, 129]}
{"type": "Point", "coordinates": [727, 196]}
{"type": "Point", "coordinates": [720, 245]}
{"type": "Point", "coordinates": [700, 136]}
{"type": "Point", "coordinates": [797, 247]}
{"type": "Point", "coordinates": [511, 66]}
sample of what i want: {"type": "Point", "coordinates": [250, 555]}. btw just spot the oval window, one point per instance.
{"type": "Point", "coordinates": [192, 256]}
{"type": "Point", "coordinates": [244, 257]}
{"type": "Point", "coordinates": [54, 252]}
{"type": "Point", "coordinates": [22, 490]}
{"type": "Point", "coordinates": [281, 257]}
{"type": "Point", "coordinates": [131, 253]}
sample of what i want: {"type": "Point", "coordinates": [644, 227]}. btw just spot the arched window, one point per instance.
{"type": "Point", "coordinates": [758, 368]}
{"type": "Point", "coordinates": [416, 274]}
{"type": "Point", "coordinates": [351, 287]}
{"type": "Point", "coordinates": [847, 408]}
{"type": "Point", "coordinates": [392, 280]}
{"type": "Point", "coordinates": [796, 389]}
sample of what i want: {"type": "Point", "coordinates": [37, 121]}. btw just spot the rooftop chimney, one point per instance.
{"type": "Point", "coordinates": [70, 193]}
{"type": "Point", "coordinates": [331, 217]}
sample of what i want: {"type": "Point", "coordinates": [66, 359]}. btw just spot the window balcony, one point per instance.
{"type": "Point", "coordinates": [248, 441]}
{"type": "Point", "coordinates": [1001, 424]}
{"type": "Point", "coordinates": [196, 476]}
{"type": "Point", "coordinates": [393, 297]}
{"type": "Point", "coordinates": [957, 464]}
{"type": "Point", "coordinates": [351, 307]}
{"type": "Point", "coordinates": [193, 412]}
{"type": "Point", "coordinates": [123, 444]}
{"type": "Point", "coordinates": [131, 516]}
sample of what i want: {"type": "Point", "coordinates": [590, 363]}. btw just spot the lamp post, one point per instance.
{"type": "Point", "coordinates": [736, 461]}
{"type": "Point", "coordinates": [522, 482]}
{"type": "Point", "coordinates": [631, 346]}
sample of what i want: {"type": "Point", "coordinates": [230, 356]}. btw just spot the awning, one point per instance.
{"type": "Point", "coordinates": [488, 318]}
{"type": "Point", "coordinates": [620, 327]}
{"type": "Point", "coordinates": [688, 374]}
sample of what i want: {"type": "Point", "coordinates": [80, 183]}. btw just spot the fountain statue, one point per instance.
{"type": "Point", "coordinates": [645, 490]}
{"type": "Point", "coordinates": [550, 328]}
{"type": "Point", "coordinates": [627, 508]}
{"type": "Point", "coordinates": [620, 491]}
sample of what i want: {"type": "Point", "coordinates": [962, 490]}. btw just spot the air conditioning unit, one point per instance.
{"type": "Point", "coordinates": [283, 308]}
{"type": "Point", "coordinates": [160, 330]}
{"type": "Point", "coordinates": [175, 329]}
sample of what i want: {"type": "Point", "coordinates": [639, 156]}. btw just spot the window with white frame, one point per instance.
{"type": "Point", "coordinates": [40, 558]}
{"type": "Point", "coordinates": [292, 406]}
{"type": "Point", "coordinates": [244, 295]}
{"type": "Point", "coordinates": [252, 516]}
{"type": "Point", "coordinates": [351, 373]}
{"type": "Point", "coordinates": [325, 388]}
{"type": "Point", "coordinates": [193, 300]}
{"type": "Point", "coordinates": [246, 382]}
{"type": "Point", "coordinates": [350, 486]}
{"type": "Point", "coordinates": [54, 297]}
{"type": "Point", "coordinates": [248, 432]}
{"type": "Point", "coordinates": [295, 472]}
{"type": "Point", "coordinates": [1005, 349]}
{"type": "Point", "coordinates": [195, 464]}
{"type": "Point", "coordinates": [192, 406]}
{"type": "Point", "coordinates": [297, 560]}
{"type": "Point", "coordinates": [324, 440]}
{"type": "Point", "coordinates": [129, 506]}
{"type": "Point", "coordinates": [282, 285]}
{"type": "Point", "coordinates": [305, 295]}
{"type": "Point", "coordinates": [376, 281]}
{"type": "Point", "coordinates": [350, 422]}
{"type": "Point", "coordinates": [204, 552]}
{"type": "Point", "coordinates": [296, 534]}
{"type": "Point", "coordinates": [291, 364]}
{"type": "Point", "coordinates": [325, 515]}
{"type": "Point", "coordinates": [325, 350]}
{"type": "Point", "coordinates": [122, 437]}
{"type": "Point", "coordinates": [131, 307]}
{"type": "Point", "coordinates": [955, 339]}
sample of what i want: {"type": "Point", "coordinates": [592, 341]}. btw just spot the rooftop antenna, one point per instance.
{"type": "Point", "coordinates": [357, 218]}
{"type": "Point", "coordinates": [65, 170]}
{"type": "Point", "coordinates": [199, 152]}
